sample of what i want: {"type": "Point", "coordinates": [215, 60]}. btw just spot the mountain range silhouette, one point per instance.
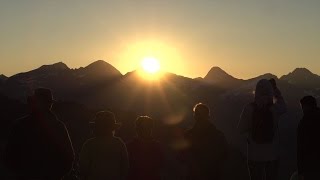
{"type": "Point", "coordinates": [100, 86]}
{"type": "Point", "coordinates": [65, 81]}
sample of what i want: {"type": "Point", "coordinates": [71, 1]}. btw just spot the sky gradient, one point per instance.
{"type": "Point", "coordinates": [244, 37]}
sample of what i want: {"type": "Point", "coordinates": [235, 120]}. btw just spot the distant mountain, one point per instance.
{"type": "Point", "coordinates": [57, 76]}
{"type": "Point", "coordinates": [220, 78]}
{"type": "Point", "coordinates": [56, 67]}
{"type": "Point", "coordinates": [65, 82]}
{"type": "Point", "coordinates": [103, 68]}
{"type": "Point", "coordinates": [98, 71]}
{"type": "Point", "coordinates": [302, 78]}
{"type": "Point", "coordinates": [251, 83]}
{"type": "Point", "coordinates": [170, 91]}
{"type": "Point", "coordinates": [169, 100]}
{"type": "Point", "coordinates": [264, 76]}
{"type": "Point", "coordinates": [101, 84]}
{"type": "Point", "coordinates": [3, 78]}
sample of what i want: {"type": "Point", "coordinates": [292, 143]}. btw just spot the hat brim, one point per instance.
{"type": "Point", "coordinates": [43, 99]}
{"type": "Point", "coordinates": [114, 126]}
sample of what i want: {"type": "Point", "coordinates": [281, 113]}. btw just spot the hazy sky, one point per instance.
{"type": "Point", "coordinates": [244, 37]}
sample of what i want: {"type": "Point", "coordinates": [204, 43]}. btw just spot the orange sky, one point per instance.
{"type": "Point", "coordinates": [246, 38]}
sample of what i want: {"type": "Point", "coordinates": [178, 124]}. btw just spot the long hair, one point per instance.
{"type": "Point", "coordinates": [263, 94]}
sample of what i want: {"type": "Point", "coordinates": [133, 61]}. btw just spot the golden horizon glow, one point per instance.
{"type": "Point", "coordinates": [150, 65]}
{"type": "Point", "coordinates": [150, 68]}
{"type": "Point", "coordinates": [164, 51]}
{"type": "Point", "coordinates": [189, 37]}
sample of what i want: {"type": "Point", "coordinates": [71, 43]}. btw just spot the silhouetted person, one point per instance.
{"type": "Point", "coordinates": [145, 154]}
{"type": "Point", "coordinates": [207, 151]}
{"type": "Point", "coordinates": [39, 146]}
{"type": "Point", "coordinates": [104, 156]}
{"type": "Point", "coordinates": [259, 120]}
{"type": "Point", "coordinates": [308, 139]}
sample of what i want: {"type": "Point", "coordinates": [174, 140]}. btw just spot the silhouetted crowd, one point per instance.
{"type": "Point", "coordinates": [39, 146]}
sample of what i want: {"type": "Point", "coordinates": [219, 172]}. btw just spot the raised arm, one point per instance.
{"type": "Point", "coordinates": [280, 105]}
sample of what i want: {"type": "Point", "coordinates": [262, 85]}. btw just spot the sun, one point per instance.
{"type": "Point", "coordinates": [150, 65]}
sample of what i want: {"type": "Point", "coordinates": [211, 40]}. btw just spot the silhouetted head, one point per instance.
{"type": "Point", "coordinates": [105, 123]}
{"type": "Point", "coordinates": [264, 93]}
{"type": "Point", "coordinates": [42, 99]}
{"type": "Point", "coordinates": [201, 112]}
{"type": "Point", "coordinates": [308, 103]}
{"type": "Point", "coordinates": [144, 127]}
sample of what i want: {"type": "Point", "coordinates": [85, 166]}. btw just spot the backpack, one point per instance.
{"type": "Point", "coordinates": [262, 131]}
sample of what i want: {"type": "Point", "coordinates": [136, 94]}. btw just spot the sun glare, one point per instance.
{"type": "Point", "coordinates": [150, 65]}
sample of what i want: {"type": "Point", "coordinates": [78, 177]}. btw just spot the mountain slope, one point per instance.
{"type": "Point", "coordinates": [220, 78]}
{"type": "Point", "coordinates": [97, 71]}
{"type": "Point", "coordinates": [3, 78]}
{"type": "Point", "coordinates": [303, 78]}
{"type": "Point", "coordinates": [65, 82]}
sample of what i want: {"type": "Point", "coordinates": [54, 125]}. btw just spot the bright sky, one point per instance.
{"type": "Point", "coordinates": [244, 37]}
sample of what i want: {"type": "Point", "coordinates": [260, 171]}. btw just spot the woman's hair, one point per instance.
{"type": "Point", "coordinates": [263, 88]}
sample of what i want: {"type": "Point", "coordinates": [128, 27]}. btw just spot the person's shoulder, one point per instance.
{"type": "Point", "coordinates": [188, 132]}
{"type": "Point", "coordinates": [218, 138]}
{"type": "Point", "coordinates": [88, 146]}
{"type": "Point", "coordinates": [133, 145]}
{"type": "Point", "coordinates": [132, 142]}
{"type": "Point", "coordinates": [215, 132]}
{"type": "Point", "coordinates": [21, 122]}
{"type": "Point", "coordinates": [249, 106]}
{"type": "Point", "coordinates": [24, 119]}
{"type": "Point", "coordinates": [89, 142]}
{"type": "Point", "coordinates": [118, 141]}
{"type": "Point", "coordinates": [248, 109]}
{"type": "Point", "coordinates": [220, 135]}
{"type": "Point", "coordinates": [57, 122]}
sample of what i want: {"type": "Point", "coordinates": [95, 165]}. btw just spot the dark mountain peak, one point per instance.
{"type": "Point", "coordinates": [302, 71]}
{"type": "Point", "coordinates": [216, 68]}
{"type": "Point", "coordinates": [101, 67]}
{"type": "Point", "coordinates": [3, 77]}
{"type": "Point", "coordinates": [55, 67]}
{"type": "Point", "coordinates": [251, 83]}
{"type": "Point", "coordinates": [98, 63]}
{"type": "Point", "coordinates": [98, 71]}
{"type": "Point", "coordinates": [216, 72]}
{"type": "Point", "coordinates": [41, 72]}
{"type": "Point", "coordinates": [221, 78]}
{"type": "Point", "coordinates": [266, 76]}
{"type": "Point", "coordinates": [198, 79]}
{"type": "Point", "coordinates": [302, 77]}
